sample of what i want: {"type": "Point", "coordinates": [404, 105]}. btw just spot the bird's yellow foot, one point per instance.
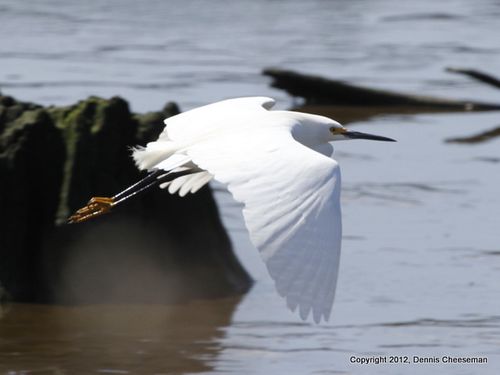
{"type": "Point", "coordinates": [96, 207]}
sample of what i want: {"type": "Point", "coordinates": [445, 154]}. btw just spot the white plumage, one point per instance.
{"type": "Point", "coordinates": [277, 164]}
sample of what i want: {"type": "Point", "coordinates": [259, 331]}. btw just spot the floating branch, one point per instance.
{"type": "Point", "coordinates": [477, 75]}
{"type": "Point", "coordinates": [477, 138]}
{"type": "Point", "coordinates": [318, 90]}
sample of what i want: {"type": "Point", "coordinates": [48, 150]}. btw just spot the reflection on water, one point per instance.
{"type": "Point", "coordinates": [412, 193]}
{"type": "Point", "coordinates": [120, 339]}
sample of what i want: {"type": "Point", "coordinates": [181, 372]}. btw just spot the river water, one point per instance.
{"type": "Point", "coordinates": [420, 269]}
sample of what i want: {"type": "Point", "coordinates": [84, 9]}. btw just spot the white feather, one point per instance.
{"type": "Point", "coordinates": [193, 182]}
{"type": "Point", "coordinates": [187, 184]}
{"type": "Point", "coordinates": [292, 211]}
{"type": "Point", "coordinates": [200, 182]}
{"type": "Point", "coordinates": [147, 157]}
{"type": "Point", "coordinates": [201, 121]}
{"type": "Point", "coordinates": [291, 193]}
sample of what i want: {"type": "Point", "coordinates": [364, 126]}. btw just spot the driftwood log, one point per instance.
{"type": "Point", "coordinates": [348, 103]}
{"type": "Point", "coordinates": [318, 90]}
{"type": "Point", "coordinates": [489, 80]}
{"type": "Point", "coordinates": [477, 138]}
{"type": "Point", "coordinates": [477, 75]}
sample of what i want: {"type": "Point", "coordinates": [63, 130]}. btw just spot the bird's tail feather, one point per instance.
{"type": "Point", "coordinates": [149, 156]}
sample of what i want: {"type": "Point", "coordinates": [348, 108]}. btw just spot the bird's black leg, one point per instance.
{"type": "Point", "coordinates": [139, 184]}
{"type": "Point", "coordinates": [151, 180]}
{"type": "Point", "coordinates": [100, 205]}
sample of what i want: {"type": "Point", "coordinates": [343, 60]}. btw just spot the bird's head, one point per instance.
{"type": "Point", "coordinates": [340, 133]}
{"type": "Point", "coordinates": [316, 130]}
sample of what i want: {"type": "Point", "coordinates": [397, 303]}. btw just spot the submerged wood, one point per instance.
{"type": "Point", "coordinates": [489, 80]}
{"type": "Point", "coordinates": [318, 90]}
{"type": "Point", "coordinates": [477, 138]}
{"type": "Point", "coordinates": [477, 75]}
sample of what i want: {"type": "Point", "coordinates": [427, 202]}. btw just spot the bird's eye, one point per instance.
{"type": "Point", "coordinates": [335, 130]}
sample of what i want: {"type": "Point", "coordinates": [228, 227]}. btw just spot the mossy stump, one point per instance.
{"type": "Point", "coordinates": [157, 249]}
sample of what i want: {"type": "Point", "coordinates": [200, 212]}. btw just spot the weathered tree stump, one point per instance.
{"type": "Point", "coordinates": [160, 248]}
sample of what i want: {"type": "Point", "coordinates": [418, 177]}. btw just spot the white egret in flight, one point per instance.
{"type": "Point", "coordinates": [277, 163]}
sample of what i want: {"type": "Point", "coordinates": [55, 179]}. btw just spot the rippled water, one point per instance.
{"type": "Point", "coordinates": [421, 260]}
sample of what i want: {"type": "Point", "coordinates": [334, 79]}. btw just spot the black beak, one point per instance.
{"type": "Point", "coordinates": [359, 135]}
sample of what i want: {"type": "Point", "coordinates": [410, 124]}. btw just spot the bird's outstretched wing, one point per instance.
{"type": "Point", "coordinates": [292, 211]}
{"type": "Point", "coordinates": [213, 117]}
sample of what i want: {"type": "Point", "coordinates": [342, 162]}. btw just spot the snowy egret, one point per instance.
{"type": "Point", "coordinates": [277, 163]}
